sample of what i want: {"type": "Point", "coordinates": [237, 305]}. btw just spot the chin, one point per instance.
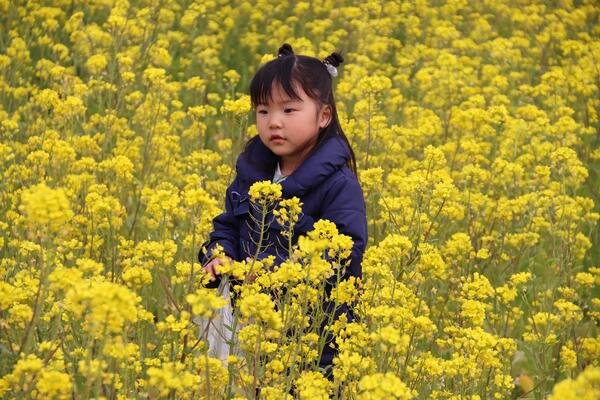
{"type": "Point", "coordinates": [277, 150]}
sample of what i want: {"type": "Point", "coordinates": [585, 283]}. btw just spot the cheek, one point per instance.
{"type": "Point", "coordinates": [260, 124]}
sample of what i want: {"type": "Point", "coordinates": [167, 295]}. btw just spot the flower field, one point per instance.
{"type": "Point", "coordinates": [476, 128]}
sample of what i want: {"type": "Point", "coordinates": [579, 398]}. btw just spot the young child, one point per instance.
{"type": "Point", "coordinates": [301, 145]}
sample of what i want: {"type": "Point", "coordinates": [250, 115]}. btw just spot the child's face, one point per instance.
{"type": "Point", "coordinates": [290, 127]}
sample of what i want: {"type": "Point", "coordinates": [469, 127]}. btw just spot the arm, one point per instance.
{"type": "Point", "coordinates": [225, 232]}
{"type": "Point", "coordinates": [345, 206]}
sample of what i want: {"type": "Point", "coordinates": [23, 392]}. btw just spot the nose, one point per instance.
{"type": "Point", "coordinates": [274, 121]}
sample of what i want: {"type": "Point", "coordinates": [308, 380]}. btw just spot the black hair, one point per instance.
{"type": "Point", "coordinates": [312, 75]}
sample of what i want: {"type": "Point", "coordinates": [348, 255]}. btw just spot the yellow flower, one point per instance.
{"type": "Point", "coordinates": [313, 385]}
{"type": "Point", "coordinates": [431, 261]}
{"type": "Point", "coordinates": [104, 307]}
{"type": "Point", "coordinates": [172, 324]}
{"type": "Point", "coordinates": [46, 208]}
{"type": "Point", "coordinates": [346, 291]}
{"type": "Point", "coordinates": [264, 192]}
{"type": "Point", "coordinates": [585, 279]}
{"type": "Point", "coordinates": [171, 377]}
{"type": "Point", "coordinates": [154, 77]}
{"type": "Point", "coordinates": [136, 277]}
{"type": "Point", "coordinates": [205, 302]}
{"type": "Point", "coordinates": [195, 83]}
{"type": "Point", "coordinates": [232, 77]}
{"type": "Point", "coordinates": [286, 273]}
{"type": "Point", "coordinates": [472, 154]}
{"type": "Point", "coordinates": [373, 84]}
{"type": "Point", "coordinates": [54, 385]}
{"type": "Point", "coordinates": [473, 310]}
{"type": "Point", "coordinates": [119, 167]}
{"type": "Point", "coordinates": [521, 278]}
{"type": "Point", "coordinates": [380, 386]}
{"type": "Point", "coordinates": [568, 311]}
{"type": "Point", "coordinates": [96, 64]}
{"type": "Point", "coordinates": [289, 211]}
{"type": "Point", "coordinates": [240, 106]}
{"type": "Point", "coordinates": [585, 387]}
{"type": "Point", "coordinates": [371, 178]}
{"type": "Point", "coordinates": [478, 288]}
{"type": "Point", "coordinates": [459, 248]}
{"type": "Point", "coordinates": [568, 357]}
{"type": "Point", "coordinates": [259, 308]}
{"type": "Point", "coordinates": [483, 254]}
{"type": "Point", "coordinates": [23, 374]}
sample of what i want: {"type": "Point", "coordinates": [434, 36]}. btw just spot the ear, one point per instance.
{"type": "Point", "coordinates": [325, 116]}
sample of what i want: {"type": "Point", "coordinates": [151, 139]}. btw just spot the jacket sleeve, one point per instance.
{"type": "Point", "coordinates": [344, 205]}
{"type": "Point", "coordinates": [225, 232]}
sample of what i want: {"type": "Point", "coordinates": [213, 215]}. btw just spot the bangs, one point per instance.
{"type": "Point", "coordinates": [277, 71]}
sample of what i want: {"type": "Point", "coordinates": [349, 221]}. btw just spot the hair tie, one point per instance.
{"type": "Point", "coordinates": [332, 61]}
{"type": "Point", "coordinates": [330, 68]}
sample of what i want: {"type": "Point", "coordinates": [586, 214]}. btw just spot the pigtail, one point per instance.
{"type": "Point", "coordinates": [334, 59]}
{"type": "Point", "coordinates": [285, 50]}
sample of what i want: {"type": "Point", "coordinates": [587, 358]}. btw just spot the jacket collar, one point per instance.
{"type": "Point", "coordinates": [258, 163]}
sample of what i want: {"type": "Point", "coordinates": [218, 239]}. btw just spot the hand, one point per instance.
{"type": "Point", "coordinates": [211, 266]}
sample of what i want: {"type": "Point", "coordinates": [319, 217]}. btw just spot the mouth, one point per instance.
{"type": "Point", "coordinates": [276, 138]}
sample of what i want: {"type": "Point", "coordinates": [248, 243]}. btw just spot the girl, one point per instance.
{"type": "Point", "coordinates": [301, 145]}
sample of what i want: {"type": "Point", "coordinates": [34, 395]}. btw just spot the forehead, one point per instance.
{"type": "Point", "coordinates": [279, 95]}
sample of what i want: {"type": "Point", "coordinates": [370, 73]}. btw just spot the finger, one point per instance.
{"type": "Point", "coordinates": [210, 270]}
{"type": "Point", "coordinates": [215, 269]}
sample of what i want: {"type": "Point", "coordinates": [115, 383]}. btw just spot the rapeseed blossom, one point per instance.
{"type": "Point", "coordinates": [313, 385]}
{"type": "Point", "coordinates": [240, 106]}
{"type": "Point", "coordinates": [265, 192]}
{"type": "Point", "coordinates": [46, 208]}
{"type": "Point", "coordinates": [204, 302]}
{"type": "Point", "coordinates": [584, 386]}
{"type": "Point", "coordinates": [104, 307]}
{"type": "Point", "coordinates": [379, 386]}
{"type": "Point", "coordinates": [476, 147]}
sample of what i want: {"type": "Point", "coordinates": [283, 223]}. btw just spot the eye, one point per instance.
{"type": "Point", "coordinates": [289, 110]}
{"type": "Point", "coordinates": [261, 111]}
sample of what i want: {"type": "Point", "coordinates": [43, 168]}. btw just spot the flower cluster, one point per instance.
{"type": "Point", "coordinates": [477, 151]}
{"type": "Point", "coordinates": [265, 192]}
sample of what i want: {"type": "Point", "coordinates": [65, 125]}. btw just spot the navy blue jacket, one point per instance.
{"type": "Point", "coordinates": [327, 188]}
{"type": "Point", "coordinates": [323, 182]}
